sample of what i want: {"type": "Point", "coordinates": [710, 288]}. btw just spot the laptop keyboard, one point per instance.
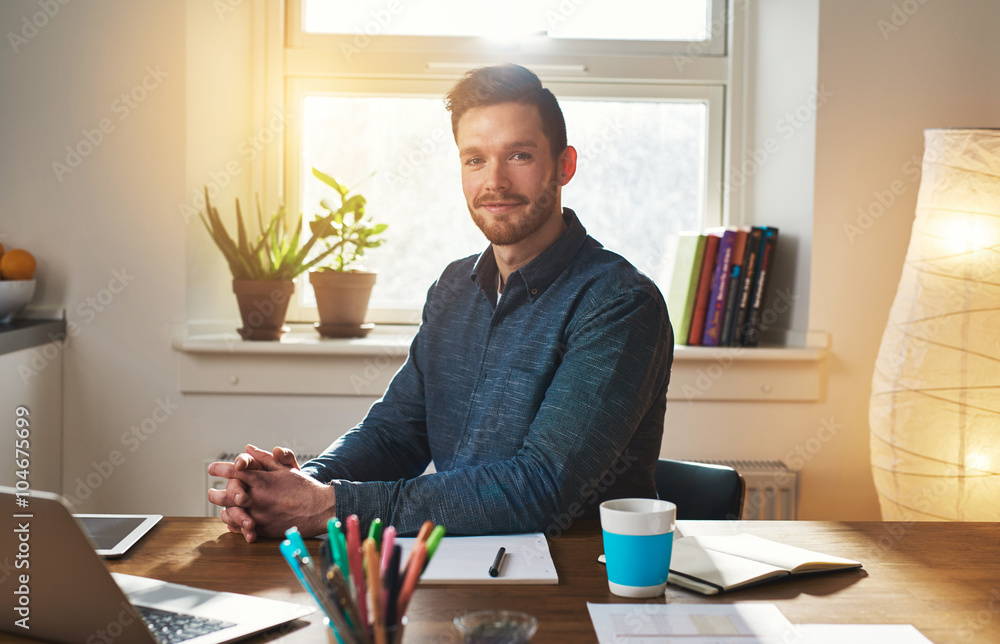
{"type": "Point", "coordinates": [169, 628]}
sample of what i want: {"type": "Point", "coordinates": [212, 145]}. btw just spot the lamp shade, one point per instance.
{"type": "Point", "coordinates": [935, 405]}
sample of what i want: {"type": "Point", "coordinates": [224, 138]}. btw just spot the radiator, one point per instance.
{"type": "Point", "coordinates": [213, 483]}
{"type": "Point", "coordinates": [772, 489]}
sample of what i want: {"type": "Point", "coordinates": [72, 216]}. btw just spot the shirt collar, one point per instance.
{"type": "Point", "coordinates": [540, 272]}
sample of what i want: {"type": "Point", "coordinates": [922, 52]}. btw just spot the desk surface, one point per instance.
{"type": "Point", "coordinates": [944, 578]}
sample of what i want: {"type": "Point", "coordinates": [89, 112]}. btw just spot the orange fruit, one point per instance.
{"type": "Point", "coordinates": [17, 264]}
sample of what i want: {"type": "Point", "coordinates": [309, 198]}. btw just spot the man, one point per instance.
{"type": "Point", "coordinates": [536, 383]}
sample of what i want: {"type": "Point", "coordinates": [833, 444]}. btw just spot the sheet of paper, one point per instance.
{"type": "Point", "coordinates": [688, 623]}
{"type": "Point", "coordinates": [857, 634]}
{"type": "Point", "coordinates": [467, 560]}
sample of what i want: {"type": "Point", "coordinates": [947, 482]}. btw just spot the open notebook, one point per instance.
{"type": "Point", "coordinates": [711, 565]}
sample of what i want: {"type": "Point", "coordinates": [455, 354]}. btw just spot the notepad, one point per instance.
{"type": "Point", "coordinates": [467, 560]}
{"type": "Point", "coordinates": [711, 565]}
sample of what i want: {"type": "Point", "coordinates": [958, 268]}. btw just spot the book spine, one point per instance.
{"type": "Point", "coordinates": [720, 285]}
{"type": "Point", "coordinates": [733, 294]}
{"type": "Point", "coordinates": [768, 243]}
{"type": "Point", "coordinates": [684, 283]}
{"type": "Point", "coordinates": [700, 312]}
{"type": "Point", "coordinates": [749, 273]}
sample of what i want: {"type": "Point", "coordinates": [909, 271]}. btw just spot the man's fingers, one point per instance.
{"type": "Point", "coordinates": [245, 462]}
{"type": "Point", "coordinates": [266, 459]}
{"type": "Point", "coordinates": [286, 457]}
{"type": "Point", "coordinates": [237, 492]}
{"type": "Point", "coordinates": [238, 518]}
{"type": "Point", "coordinates": [220, 498]}
{"type": "Point", "coordinates": [233, 527]}
{"type": "Point", "coordinates": [222, 470]}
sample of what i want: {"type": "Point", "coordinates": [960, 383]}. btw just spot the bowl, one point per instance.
{"type": "Point", "coordinates": [496, 627]}
{"type": "Point", "coordinates": [14, 296]}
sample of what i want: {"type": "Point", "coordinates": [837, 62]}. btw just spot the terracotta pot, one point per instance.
{"type": "Point", "coordinates": [263, 305]}
{"type": "Point", "coordinates": [342, 301]}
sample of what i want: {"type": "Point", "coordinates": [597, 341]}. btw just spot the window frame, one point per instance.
{"type": "Point", "coordinates": [292, 63]}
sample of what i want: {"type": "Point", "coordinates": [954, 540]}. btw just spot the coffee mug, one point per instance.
{"type": "Point", "coordinates": [638, 539]}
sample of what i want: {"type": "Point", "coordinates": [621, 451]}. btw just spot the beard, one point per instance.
{"type": "Point", "coordinates": [507, 230]}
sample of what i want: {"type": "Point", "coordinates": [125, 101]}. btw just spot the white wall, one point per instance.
{"type": "Point", "coordinates": [109, 245]}
{"type": "Point", "coordinates": [121, 210]}
{"type": "Point", "coordinates": [891, 75]}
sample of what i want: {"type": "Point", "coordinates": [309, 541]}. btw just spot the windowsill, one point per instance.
{"type": "Point", "coordinates": [214, 360]}
{"type": "Point", "coordinates": [301, 340]}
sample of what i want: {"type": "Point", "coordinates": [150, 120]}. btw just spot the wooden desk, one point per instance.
{"type": "Point", "coordinates": [944, 578]}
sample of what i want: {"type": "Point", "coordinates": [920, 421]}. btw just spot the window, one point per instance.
{"type": "Point", "coordinates": [362, 85]}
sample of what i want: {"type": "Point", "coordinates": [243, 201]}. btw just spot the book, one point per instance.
{"type": "Point", "coordinates": [710, 565]}
{"type": "Point", "coordinates": [684, 283]}
{"type": "Point", "coordinates": [747, 276]}
{"type": "Point", "coordinates": [720, 286]}
{"type": "Point", "coordinates": [769, 240]}
{"type": "Point", "coordinates": [733, 292]}
{"type": "Point", "coordinates": [700, 311]}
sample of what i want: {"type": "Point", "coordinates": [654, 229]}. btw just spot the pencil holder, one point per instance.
{"type": "Point", "coordinates": [393, 634]}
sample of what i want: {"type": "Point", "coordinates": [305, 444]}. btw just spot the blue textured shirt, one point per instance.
{"type": "Point", "coordinates": [533, 409]}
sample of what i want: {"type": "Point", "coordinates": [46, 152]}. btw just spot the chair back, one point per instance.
{"type": "Point", "coordinates": [700, 490]}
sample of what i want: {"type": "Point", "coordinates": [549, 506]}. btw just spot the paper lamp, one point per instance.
{"type": "Point", "coordinates": [935, 405]}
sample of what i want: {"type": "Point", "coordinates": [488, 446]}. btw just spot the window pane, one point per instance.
{"type": "Point", "coordinates": [584, 19]}
{"type": "Point", "coordinates": [640, 174]}
{"type": "Point", "coordinates": [640, 178]}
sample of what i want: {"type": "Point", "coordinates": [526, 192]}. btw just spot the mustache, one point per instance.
{"type": "Point", "coordinates": [508, 197]}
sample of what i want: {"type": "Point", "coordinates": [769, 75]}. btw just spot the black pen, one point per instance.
{"type": "Point", "coordinates": [495, 568]}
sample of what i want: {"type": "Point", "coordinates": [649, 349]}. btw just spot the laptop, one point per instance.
{"type": "Point", "coordinates": [58, 589]}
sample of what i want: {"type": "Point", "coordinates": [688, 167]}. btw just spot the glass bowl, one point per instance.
{"type": "Point", "coordinates": [496, 627]}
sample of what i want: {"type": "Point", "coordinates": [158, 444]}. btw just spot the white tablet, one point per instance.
{"type": "Point", "coordinates": [113, 534]}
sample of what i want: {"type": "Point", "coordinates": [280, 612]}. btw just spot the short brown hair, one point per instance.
{"type": "Point", "coordinates": [508, 83]}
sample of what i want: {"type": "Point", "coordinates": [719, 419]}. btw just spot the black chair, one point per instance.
{"type": "Point", "coordinates": [700, 490]}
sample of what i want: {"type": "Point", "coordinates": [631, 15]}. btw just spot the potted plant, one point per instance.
{"type": "Point", "coordinates": [263, 270]}
{"type": "Point", "coordinates": [342, 286]}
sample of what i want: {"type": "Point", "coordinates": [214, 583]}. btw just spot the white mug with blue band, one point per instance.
{"type": "Point", "coordinates": [638, 539]}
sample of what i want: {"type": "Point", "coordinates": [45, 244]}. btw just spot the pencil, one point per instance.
{"type": "Point", "coordinates": [392, 584]}
{"type": "Point", "coordinates": [341, 592]}
{"type": "Point", "coordinates": [375, 532]}
{"type": "Point", "coordinates": [433, 541]}
{"type": "Point", "coordinates": [357, 570]}
{"type": "Point", "coordinates": [388, 541]}
{"type": "Point", "coordinates": [330, 608]}
{"type": "Point", "coordinates": [413, 569]}
{"type": "Point", "coordinates": [372, 565]}
{"type": "Point", "coordinates": [422, 534]}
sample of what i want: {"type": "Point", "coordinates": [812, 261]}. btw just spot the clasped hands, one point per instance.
{"type": "Point", "coordinates": [266, 493]}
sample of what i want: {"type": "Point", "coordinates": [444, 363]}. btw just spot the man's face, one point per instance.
{"type": "Point", "coordinates": [510, 180]}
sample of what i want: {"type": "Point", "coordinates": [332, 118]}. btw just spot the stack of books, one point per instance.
{"type": "Point", "coordinates": [718, 285]}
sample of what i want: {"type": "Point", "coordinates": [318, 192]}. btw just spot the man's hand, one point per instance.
{"type": "Point", "coordinates": [266, 493]}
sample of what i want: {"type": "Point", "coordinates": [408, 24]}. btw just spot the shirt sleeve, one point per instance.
{"type": "Point", "coordinates": [391, 442]}
{"type": "Point", "coordinates": [615, 369]}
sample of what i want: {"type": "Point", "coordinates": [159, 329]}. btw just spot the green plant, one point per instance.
{"type": "Point", "coordinates": [346, 231]}
{"type": "Point", "coordinates": [276, 255]}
